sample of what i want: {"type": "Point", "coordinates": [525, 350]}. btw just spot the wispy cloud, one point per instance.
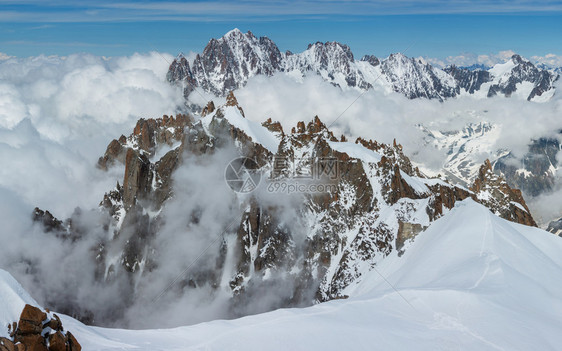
{"type": "Point", "coordinates": [4, 56]}
{"type": "Point", "coordinates": [105, 11]}
{"type": "Point", "coordinates": [550, 60]}
{"type": "Point", "coordinates": [469, 59]}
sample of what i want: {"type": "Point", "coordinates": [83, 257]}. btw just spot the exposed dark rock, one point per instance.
{"type": "Point", "coordinates": [37, 331]}
{"type": "Point", "coordinates": [555, 227]}
{"type": "Point", "coordinates": [534, 175]}
{"type": "Point", "coordinates": [493, 191]}
{"type": "Point", "coordinates": [373, 60]}
{"type": "Point", "coordinates": [210, 108]}
{"type": "Point", "coordinates": [48, 221]}
{"type": "Point", "coordinates": [7, 345]}
{"type": "Point", "coordinates": [406, 231]}
{"type": "Point", "coordinates": [469, 80]}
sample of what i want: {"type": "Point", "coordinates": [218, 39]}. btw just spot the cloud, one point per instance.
{"type": "Point", "coordinates": [550, 60]}
{"type": "Point", "coordinates": [489, 60]}
{"type": "Point", "coordinates": [384, 116]}
{"type": "Point", "coordinates": [469, 59]}
{"type": "Point", "coordinates": [57, 115]}
{"type": "Point", "coordinates": [4, 56]}
{"type": "Point", "coordinates": [65, 96]}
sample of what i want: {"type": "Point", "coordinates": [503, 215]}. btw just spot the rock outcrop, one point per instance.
{"type": "Point", "coordinates": [493, 191]}
{"type": "Point", "coordinates": [555, 227]}
{"type": "Point", "coordinates": [39, 330]}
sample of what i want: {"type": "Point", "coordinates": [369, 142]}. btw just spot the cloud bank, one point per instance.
{"type": "Point", "coordinates": [57, 115]}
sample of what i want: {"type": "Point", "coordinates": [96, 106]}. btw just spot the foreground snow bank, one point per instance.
{"type": "Point", "coordinates": [12, 300]}
{"type": "Point", "coordinates": [472, 281]}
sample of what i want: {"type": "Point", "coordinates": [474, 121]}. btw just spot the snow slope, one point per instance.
{"type": "Point", "coordinates": [471, 281]}
{"type": "Point", "coordinates": [12, 300]}
{"type": "Point", "coordinates": [258, 133]}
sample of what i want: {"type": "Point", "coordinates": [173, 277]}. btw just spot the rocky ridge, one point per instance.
{"type": "Point", "coordinates": [373, 205]}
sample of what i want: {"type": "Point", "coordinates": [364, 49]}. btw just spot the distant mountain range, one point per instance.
{"type": "Point", "coordinates": [228, 63]}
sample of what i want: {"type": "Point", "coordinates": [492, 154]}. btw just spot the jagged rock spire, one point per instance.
{"type": "Point", "coordinates": [231, 101]}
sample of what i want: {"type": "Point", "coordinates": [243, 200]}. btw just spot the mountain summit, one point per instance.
{"type": "Point", "coordinates": [229, 62]}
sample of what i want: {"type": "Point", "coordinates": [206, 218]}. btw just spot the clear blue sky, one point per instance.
{"type": "Point", "coordinates": [434, 28]}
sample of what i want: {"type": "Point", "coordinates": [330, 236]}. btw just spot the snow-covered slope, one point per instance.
{"type": "Point", "coordinates": [471, 281]}
{"type": "Point", "coordinates": [257, 133]}
{"type": "Point", "coordinates": [12, 300]}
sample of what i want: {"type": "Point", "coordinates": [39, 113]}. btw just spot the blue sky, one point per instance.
{"type": "Point", "coordinates": [428, 28]}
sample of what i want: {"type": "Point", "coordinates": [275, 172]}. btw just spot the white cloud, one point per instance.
{"type": "Point", "coordinates": [384, 116]}
{"type": "Point", "coordinates": [550, 60]}
{"type": "Point", "coordinates": [468, 59]}
{"type": "Point", "coordinates": [4, 56]}
{"type": "Point", "coordinates": [57, 115]}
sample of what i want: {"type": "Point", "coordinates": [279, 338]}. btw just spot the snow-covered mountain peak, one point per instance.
{"type": "Point", "coordinates": [229, 62]}
{"type": "Point", "coordinates": [416, 79]}
{"type": "Point", "coordinates": [520, 76]}
{"type": "Point", "coordinates": [503, 69]}
{"type": "Point", "coordinates": [329, 57]}
{"type": "Point", "coordinates": [518, 59]}
{"type": "Point", "coordinates": [236, 37]}
{"type": "Point", "coordinates": [372, 59]}
{"type": "Point", "coordinates": [333, 48]}
{"type": "Point", "coordinates": [398, 57]}
{"type": "Point", "coordinates": [233, 32]}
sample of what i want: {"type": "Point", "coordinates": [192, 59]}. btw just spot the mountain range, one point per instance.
{"type": "Point", "coordinates": [227, 64]}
